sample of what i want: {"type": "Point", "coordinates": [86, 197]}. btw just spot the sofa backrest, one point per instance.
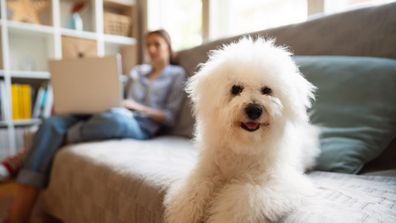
{"type": "Point", "coordinates": [362, 32]}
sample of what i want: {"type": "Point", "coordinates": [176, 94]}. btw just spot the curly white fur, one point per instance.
{"type": "Point", "coordinates": [250, 170]}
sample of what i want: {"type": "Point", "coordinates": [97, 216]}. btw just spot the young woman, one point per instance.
{"type": "Point", "coordinates": [154, 92]}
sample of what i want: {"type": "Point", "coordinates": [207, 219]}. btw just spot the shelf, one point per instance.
{"type": "Point", "coordinates": [119, 3]}
{"type": "Point", "coordinates": [79, 34]}
{"type": "Point", "coordinates": [30, 74]}
{"type": "Point", "coordinates": [119, 40]}
{"type": "Point", "coordinates": [27, 74]}
{"type": "Point", "coordinates": [27, 122]}
{"type": "Point", "coordinates": [33, 51]}
{"type": "Point", "coordinates": [32, 29]}
{"type": "Point", "coordinates": [3, 124]}
{"type": "Point", "coordinates": [20, 123]}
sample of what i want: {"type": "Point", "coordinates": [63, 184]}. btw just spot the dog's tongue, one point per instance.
{"type": "Point", "coordinates": [251, 125]}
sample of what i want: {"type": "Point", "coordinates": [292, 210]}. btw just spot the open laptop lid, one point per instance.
{"type": "Point", "coordinates": [86, 85]}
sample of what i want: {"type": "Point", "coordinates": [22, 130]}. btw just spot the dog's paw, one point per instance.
{"type": "Point", "coordinates": [181, 210]}
{"type": "Point", "coordinates": [185, 202]}
{"type": "Point", "coordinates": [254, 203]}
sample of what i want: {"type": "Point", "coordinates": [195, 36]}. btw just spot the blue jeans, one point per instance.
{"type": "Point", "coordinates": [114, 124]}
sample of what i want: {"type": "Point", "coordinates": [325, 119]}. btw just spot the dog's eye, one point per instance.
{"type": "Point", "coordinates": [266, 90]}
{"type": "Point", "coordinates": [236, 89]}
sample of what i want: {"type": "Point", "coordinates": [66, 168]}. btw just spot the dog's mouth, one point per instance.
{"type": "Point", "coordinates": [250, 126]}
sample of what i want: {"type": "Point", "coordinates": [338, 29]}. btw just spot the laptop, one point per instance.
{"type": "Point", "coordinates": [86, 85]}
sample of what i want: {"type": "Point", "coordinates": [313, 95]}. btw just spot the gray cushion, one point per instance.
{"type": "Point", "coordinates": [356, 106]}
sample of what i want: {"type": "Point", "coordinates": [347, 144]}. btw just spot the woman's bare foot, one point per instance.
{"type": "Point", "coordinates": [22, 204]}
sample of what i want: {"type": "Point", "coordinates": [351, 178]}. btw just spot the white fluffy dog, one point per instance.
{"type": "Point", "coordinates": [250, 101]}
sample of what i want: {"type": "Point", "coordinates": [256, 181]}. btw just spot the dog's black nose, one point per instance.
{"type": "Point", "coordinates": [253, 111]}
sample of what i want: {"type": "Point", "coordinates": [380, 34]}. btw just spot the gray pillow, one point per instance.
{"type": "Point", "coordinates": [355, 105]}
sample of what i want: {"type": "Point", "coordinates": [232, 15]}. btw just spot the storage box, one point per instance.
{"type": "Point", "coordinates": [76, 47]}
{"type": "Point", "coordinates": [117, 24]}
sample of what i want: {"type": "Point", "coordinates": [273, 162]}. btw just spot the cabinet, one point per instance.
{"type": "Point", "coordinates": [34, 31]}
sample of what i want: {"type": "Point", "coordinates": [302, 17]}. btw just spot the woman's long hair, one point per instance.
{"type": "Point", "coordinates": [164, 35]}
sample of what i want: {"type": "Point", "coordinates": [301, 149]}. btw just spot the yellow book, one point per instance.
{"type": "Point", "coordinates": [15, 105]}
{"type": "Point", "coordinates": [28, 101]}
{"type": "Point", "coordinates": [21, 101]}
{"type": "Point", "coordinates": [21, 104]}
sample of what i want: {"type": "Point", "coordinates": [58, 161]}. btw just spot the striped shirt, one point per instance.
{"type": "Point", "coordinates": [164, 93]}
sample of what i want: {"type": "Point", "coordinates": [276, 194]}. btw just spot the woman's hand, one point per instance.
{"type": "Point", "coordinates": [154, 114]}
{"type": "Point", "coordinates": [132, 105]}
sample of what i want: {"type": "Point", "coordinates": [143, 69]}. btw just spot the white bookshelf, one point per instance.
{"type": "Point", "coordinates": [26, 49]}
{"type": "Point", "coordinates": [30, 74]}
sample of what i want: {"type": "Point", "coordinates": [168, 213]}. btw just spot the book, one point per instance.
{"type": "Point", "coordinates": [26, 102]}
{"type": "Point", "coordinates": [3, 101]}
{"type": "Point", "coordinates": [37, 109]}
{"type": "Point", "coordinates": [15, 101]}
{"type": "Point", "coordinates": [21, 101]}
{"type": "Point", "coordinates": [48, 102]}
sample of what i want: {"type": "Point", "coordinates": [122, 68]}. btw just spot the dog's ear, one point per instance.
{"type": "Point", "coordinates": [194, 87]}
{"type": "Point", "coordinates": [202, 88]}
{"type": "Point", "coordinates": [303, 95]}
{"type": "Point", "coordinates": [299, 91]}
{"type": "Point", "coordinates": [191, 86]}
{"type": "Point", "coordinates": [306, 90]}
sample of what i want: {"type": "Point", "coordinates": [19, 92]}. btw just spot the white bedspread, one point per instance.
{"type": "Point", "coordinates": [124, 181]}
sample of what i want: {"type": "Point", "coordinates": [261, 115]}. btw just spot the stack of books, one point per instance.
{"type": "Point", "coordinates": [26, 102]}
{"type": "Point", "coordinates": [21, 96]}
{"type": "Point", "coordinates": [43, 102]}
